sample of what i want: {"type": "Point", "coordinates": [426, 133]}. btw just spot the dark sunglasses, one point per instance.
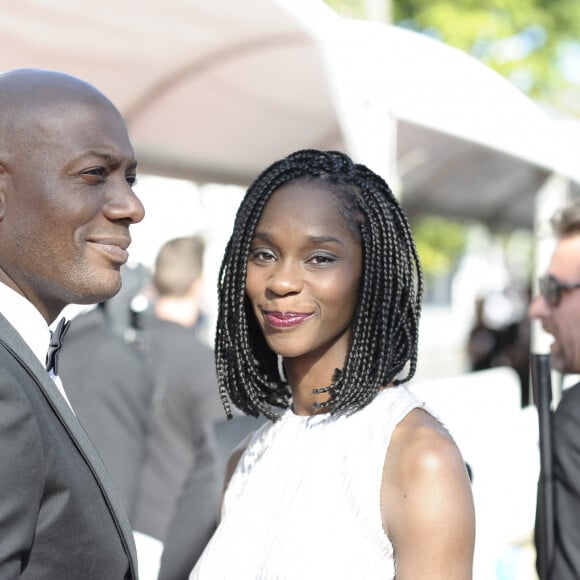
{"type": "Point", "coordinates": [551, 289]}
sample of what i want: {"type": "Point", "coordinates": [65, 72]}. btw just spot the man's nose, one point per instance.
{"type": "Point", "coordinates": [125, 205]}
{"type": "Point", "coordinates": [538, 308]}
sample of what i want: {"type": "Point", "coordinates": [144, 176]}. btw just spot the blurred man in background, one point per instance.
{"type": "Point", "coordinates": [185, 404]}
{"type": "Point", "coordinates": [558, 308]}
{"type": "Point", "coordinates": [110, 387]}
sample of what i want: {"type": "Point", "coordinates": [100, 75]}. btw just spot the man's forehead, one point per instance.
{"type": "Point", "coordinates": [38, 120]}
{"type": "Point", "coordinates": [566, 256]}
{"type": "Point", "coordinates": [71, 139]}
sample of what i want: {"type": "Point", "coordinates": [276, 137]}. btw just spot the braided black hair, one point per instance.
{"type": "Point", "coordinates": [385, 324]}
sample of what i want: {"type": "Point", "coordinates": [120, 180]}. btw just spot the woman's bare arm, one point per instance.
{"type": "Point", "coordinates": [426, 502]}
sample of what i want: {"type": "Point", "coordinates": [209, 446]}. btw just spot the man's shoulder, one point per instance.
{"type": "Point", "coordinates": [10, 363]}
{"type": "Point", "coordinates": [570, 402]}
{"type": "Point", "coordinates": [571, 393]}
{"type": "Point", "coordinates": [15, 381]}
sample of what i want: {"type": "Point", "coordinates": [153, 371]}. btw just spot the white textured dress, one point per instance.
{"type": "Point", "coordinates": [304, 500]}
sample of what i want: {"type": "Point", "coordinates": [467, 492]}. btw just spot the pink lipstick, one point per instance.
{"type": "Point", "coordinates": [285, 319]}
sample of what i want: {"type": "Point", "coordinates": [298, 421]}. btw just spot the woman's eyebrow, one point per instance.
{"type": "Point", "coordinates": [325, 240]}
{"type": "Point", "coordinates": [267, 237]}
{"type": "Point", "coordinates": [264, 236]}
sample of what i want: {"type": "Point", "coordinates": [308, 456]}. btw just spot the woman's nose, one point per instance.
{"type": "Point", "coordinates": [286, 279]}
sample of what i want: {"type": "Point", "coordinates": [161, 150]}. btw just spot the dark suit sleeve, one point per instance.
{"type": "Point", "coordinates": [21, 476]}
{"type": "Point", "coordinates": [566, 435]}
{"type": "Point", "coordinates": [195, 515]}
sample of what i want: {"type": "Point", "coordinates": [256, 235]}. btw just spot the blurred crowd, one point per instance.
{"type": "Point", "coordinates": [500, 335]}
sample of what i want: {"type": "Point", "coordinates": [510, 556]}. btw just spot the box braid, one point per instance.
{"type": "Point", "coordinates": [385, 325]}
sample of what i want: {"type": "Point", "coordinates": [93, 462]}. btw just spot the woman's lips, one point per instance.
{"type": "Point", "coordinates": [285, 319]}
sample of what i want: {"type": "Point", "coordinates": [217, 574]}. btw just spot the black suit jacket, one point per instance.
{"type": "Point", "coordinates": [59, 516]}
{"type": "Point", "coordinates": [110, 387]}
{"type": "Point", "coordinates": [566, 457]}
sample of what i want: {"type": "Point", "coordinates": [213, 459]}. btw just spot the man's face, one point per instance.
{"type": "Point", "coordinates": [67, 205]}
{"type": "Point", "coordinates": [563, 321]}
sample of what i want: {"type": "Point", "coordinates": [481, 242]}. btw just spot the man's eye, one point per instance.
{"type": "Point", "coordinates": [95, 172]}
{"type": "Point", "coordinates": [131, 180]}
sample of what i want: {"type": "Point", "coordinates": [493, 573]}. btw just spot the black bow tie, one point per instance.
{"type": "Point", "coordinates": [55, 345]}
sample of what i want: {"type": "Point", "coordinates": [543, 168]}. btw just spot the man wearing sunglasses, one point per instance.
{"type": "Point", "coordinates": [558, 308]}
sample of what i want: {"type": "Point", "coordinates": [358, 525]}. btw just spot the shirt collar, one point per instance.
{"type": "Point", "coordinates": [26, 320]}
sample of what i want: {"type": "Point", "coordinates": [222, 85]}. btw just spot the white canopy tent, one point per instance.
{"type": "Point", "coordinates": [214, 90]}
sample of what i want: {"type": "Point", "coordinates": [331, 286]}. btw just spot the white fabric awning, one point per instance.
{"type": "Point", "coordinates": [214, 90]}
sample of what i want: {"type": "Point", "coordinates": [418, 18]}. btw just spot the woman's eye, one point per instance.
{"type": "Point", "coordinates": [321, 259]}
{"type": "Point", "coordinates": [261, 255]}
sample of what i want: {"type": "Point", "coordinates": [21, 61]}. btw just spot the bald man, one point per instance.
{"type": "Point", "coordinates": [66, 203]}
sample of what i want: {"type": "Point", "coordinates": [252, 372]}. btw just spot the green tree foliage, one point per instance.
{"type": "Point", "coordinates": [527, 41]}
{"type": "Point", "coordinates": [521, 39]}
{"type": "Point", "coordinates": [440, 243]}
{"type": "Point", "coordinates": [348, 8]}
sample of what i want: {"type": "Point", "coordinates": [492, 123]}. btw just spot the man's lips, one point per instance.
{"type": "Point", "coordinates": [115, 248]}
{"type": "Point", "coordinates": [285, 319]}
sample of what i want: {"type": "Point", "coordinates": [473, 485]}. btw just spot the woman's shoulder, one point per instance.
{"type": "Point", "coordinates": [421, 443]}
{"type": "Point", "coordinates": [424, 466]}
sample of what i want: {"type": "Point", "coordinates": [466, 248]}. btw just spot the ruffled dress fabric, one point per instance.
{"type": "Point", "coordinates": [304, 500]}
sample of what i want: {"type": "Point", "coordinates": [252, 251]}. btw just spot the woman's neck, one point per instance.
{"type": "Point", "coordinates": [304, 377]}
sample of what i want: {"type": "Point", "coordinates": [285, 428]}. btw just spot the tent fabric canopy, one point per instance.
{"type": "Point", "coordinates": [214, 90]}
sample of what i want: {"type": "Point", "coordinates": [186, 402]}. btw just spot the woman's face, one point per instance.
{"type": "Point", "coordinates": [303, 273]}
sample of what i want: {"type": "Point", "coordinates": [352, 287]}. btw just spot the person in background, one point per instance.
{"type": "Point", "coordinates": [110, 387]}
{"type": "Point", "coordinates": [558, 308]}
{"type": "Point", "coordinates": [67, 169]}
{"type": "Point", "coordinates": [517, 350]}
{"type": "Point", "coordinates": [482, 341]}
{"type": "Point", "coordinates": [319, 304]}
{"type": "Point", "coordinates": [505, 342]}
{"type": "Point", "coordinates": [178, 283]}
{"type": "Point", "coordinates": [180, 441]}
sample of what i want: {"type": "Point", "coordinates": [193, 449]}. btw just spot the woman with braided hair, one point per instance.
{"type": "Point", "coordinates": [319, 303]}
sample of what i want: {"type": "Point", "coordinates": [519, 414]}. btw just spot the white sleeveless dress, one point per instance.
{"type": "Point", "coordinates": [304, 500]}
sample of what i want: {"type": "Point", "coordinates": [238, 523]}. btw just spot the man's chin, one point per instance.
{"type": "Point", "coordinates": [109, 286]}
{"type": "Point", "coordinates": [557, 360]}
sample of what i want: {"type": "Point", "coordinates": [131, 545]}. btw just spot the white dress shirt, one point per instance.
{"type": "Point", "coordinates": [31, 326]}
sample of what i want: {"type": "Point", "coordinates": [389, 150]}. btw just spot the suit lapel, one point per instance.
{"type": "Point", "coordinates": [20, 350]}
